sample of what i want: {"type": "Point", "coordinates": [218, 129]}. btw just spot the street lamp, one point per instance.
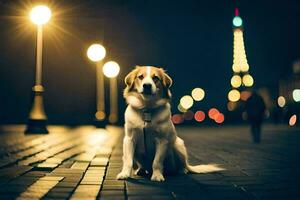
{"type": "Point", "coordinates": [39, 15]}
{"type": "Point", "coordinates": [96, 53]}
{"type": "Point", "coordinates": [111, 70]}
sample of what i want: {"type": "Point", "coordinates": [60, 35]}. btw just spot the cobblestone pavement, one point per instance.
{"type": "Point", "coordinates": [82, 163]}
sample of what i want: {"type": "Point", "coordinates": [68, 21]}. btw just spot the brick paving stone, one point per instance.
{"type": "Point", "coordinates": [99, 161]}
{"type": "Point", "coordinates": [81, 165]}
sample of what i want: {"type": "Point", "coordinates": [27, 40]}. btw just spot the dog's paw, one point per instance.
{"type": "Point", "coordinates": [123, 175]}
{"type": "Point", "coordinates": [157, 176]}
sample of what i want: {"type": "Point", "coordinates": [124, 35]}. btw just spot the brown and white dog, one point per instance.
{"type": "Point", "coordinates": [150, 141]}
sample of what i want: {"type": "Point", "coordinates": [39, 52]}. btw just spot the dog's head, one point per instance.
{"type": "Point", "coordinates": [148, 82]}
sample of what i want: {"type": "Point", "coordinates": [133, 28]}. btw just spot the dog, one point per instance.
{"type": "Point", "coordinates": [151, 143]}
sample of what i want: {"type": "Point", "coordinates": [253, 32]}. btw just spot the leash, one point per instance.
{"type": "Point", "coordinates": [146, 119]}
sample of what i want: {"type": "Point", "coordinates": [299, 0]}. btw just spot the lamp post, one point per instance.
{"type": "Point", "coordinates": [96, 53]}
{"type": "Point", "coordinates": [111, 70]}
{"type": "Point", "coordinates": [39, 15]}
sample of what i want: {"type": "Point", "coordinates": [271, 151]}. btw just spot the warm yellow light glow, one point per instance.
{"type": "Point", "coordinates": [240, 63]}
{"type": "Point", "coordinates": [236, 81]}
{"type": "Point", "coordinates": [198, 94]}
{"type": "Point", "coordinates": [234, 95]}
{"type": "Point", "coordinates": [96, 52]}
{"type": "Point", "coordinates": [248, 80]}
{"type": "Point", "coordinates": [281, 101]}
{"type": "Point", "coordinates": [186, 102]}
{"type": "Point", "coordinates": [40, 15]}
{"type": "Point", "coordinates": [293, 120]}
{"type": "Point", "coordinates": [111, 69]}
{"type": "Point", "coordinates": [236, 68]}
{"type": "Point", "coordinates": [245, 67]}
{"type": "Point", "coordinates": [181, 109]}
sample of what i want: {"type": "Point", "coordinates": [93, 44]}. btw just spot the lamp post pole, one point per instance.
{"type": "Point", "coordinates": [113, 115]}
{"type": "Point", "coordinates": [100, 100]}
{"type": "Point", "coordinates": [37, 122]}
{"type": "Point", "coordinates": [96, 53]}
{"type": "Point", "coordinates": [111, 70]}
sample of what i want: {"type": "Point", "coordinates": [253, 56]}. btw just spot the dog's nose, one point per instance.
{"type": "Point", "coordinates": [147, 87]}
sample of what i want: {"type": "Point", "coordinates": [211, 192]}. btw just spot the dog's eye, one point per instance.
{"type": "Point", "coordinates": [140, 77]}
{"type": "Point", "coordinates": [155, 78]}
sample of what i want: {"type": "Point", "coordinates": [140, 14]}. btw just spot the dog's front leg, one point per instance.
{"type": "Point", "coordinates": [160, 154]}
{"type": "Point", "coordinates": [128, 152]}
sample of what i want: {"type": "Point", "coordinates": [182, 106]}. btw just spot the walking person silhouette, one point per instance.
{"type": "Point", "coordinates": [255, 109]}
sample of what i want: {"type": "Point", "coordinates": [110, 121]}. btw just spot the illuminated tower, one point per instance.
{"type": "Point", "coordinates": [241, 80]}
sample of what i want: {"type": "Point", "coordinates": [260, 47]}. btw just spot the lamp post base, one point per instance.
{"type": "Point", "coordinates": [37, 122]}
{"type": "Point", "coordinates": [100, 123]}
{"type": "Point", "coordinates": [36, 126]}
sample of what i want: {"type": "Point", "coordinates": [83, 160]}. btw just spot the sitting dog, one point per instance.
{"type": "Point", "coordinates": [151, 143]}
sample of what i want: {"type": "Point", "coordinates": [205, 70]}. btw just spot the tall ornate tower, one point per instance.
{"type": "Point", "coordinates": [241, 80]}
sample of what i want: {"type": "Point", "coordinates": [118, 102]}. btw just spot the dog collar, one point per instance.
{"type": "Point", "coordinates": [147, 116]}
{"type": "Point", "coordinates": [147, 113]}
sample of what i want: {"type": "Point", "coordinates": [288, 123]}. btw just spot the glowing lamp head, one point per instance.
{"type": "Point", "coordinates": [237, 21]}
{"type": "Point", "coordinates": [40, 15]}
{"type": "Point", "coordinates": [96, 52]}
{"type": "Point", "coordinates": [111, 69]}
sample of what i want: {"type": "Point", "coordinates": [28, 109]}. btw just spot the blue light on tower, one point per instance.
{"type": "Point", "coordinates": [237, 21]}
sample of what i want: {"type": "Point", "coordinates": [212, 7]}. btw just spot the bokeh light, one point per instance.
{"type": "Point", "coordinates": [244, 115]}
{"type": "Point", "coordinates": [234, 95]}
{"type": "Point", "coordinates": [236, 68]}
{"type": "Point", "coordinates": [245, 95]}
{"type": "Point", "coordinates": [186, 102]}
{"type": "Point", "coordinates": [212, 113]}
{"type": "Point", "coordinates": [111, 69]}
{"type": "Point", "coordinates": [281, 101]}
{"type": "Point", "coordinates": [245, 67]}
{"type": "Point", "coordinates": [177, 119]}
{"type": "Point", "coordinates": [198, 94]}
{"type": "Point", "coordinates": [236, 81]}
{"type": "Point", "coordinates": [237, 21]}
{"type": "Point", "coordinates": [248, 80]}
{"type": "Point", "coordinates": [219, 118]}
{"type": "Point", "coordinates": [181, 109]}
{"type": "Point", "coordinates": [100, 115]}
{"type": "Point", "coordinates": [96, 52]}
{"type": "Point", "coordinates": [231, 106]}
{"type": "Point", "coordinates": [189, 115]}
{"type": "Point", "coordinates": [40, 14]}
{"type": "Point", "coordinates": [293, 120]}
{"type": "Point", "coordinates": [296, 95]}
{"type": "Point", "coordinates": [199, 116]}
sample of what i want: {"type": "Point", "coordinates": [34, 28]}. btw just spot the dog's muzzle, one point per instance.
{"type": "Point", "coordinates": [147, 89]}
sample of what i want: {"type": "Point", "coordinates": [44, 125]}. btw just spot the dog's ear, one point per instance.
{"type": "Point", "coordinates": [167, 82]}
{"type": "Point", "coordinates": [129, 79]}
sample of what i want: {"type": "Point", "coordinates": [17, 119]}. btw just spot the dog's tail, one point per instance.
{"type": "Point", "coordinates": [204, 168]}
{"type": "Point", "coordinates": [182, 154]}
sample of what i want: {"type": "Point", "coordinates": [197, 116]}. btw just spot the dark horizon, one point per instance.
{"type": "Point", "coordinates": [193, 41]}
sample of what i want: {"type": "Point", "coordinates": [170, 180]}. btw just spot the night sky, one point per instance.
{"type": "Point", "coordinates": [192, 40]}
